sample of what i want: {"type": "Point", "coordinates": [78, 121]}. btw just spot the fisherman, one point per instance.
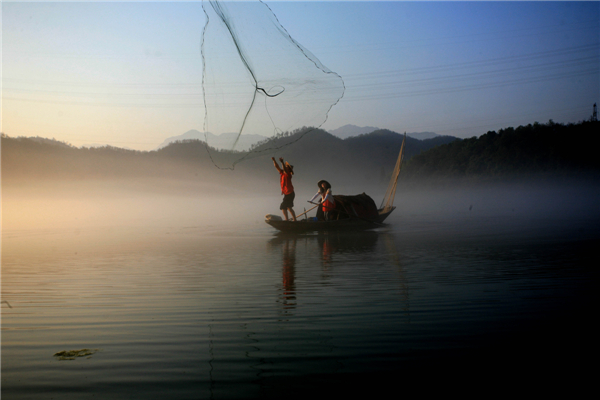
{"type": "Point", "coordinates": [287, 189]}
{"type": "Point", "coordinates": [327, 201]}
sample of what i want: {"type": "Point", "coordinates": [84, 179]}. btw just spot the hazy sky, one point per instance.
{"type": "Point", "coordinates": [129, 74]}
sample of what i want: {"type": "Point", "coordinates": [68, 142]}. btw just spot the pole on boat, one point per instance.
{"type": "Point", "coordinates": [306, 211]}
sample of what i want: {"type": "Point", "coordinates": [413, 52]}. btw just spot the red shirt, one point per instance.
{"type": "Point", "coordinates": [286, 183]}
{"type": "Point", "coordinates": [328, 202]}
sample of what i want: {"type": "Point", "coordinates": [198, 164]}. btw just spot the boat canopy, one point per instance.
{"type": "Point", "coordinates": [360, 205]}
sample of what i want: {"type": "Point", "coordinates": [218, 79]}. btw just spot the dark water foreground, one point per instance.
{"type": "Point", "coordinates": [199, 313]}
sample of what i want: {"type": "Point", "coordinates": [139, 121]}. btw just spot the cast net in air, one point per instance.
{"type": "Point", "coordinates": [257, 80]}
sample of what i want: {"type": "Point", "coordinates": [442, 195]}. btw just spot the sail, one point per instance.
{"type": "Point", "coordinates": [388, 200]}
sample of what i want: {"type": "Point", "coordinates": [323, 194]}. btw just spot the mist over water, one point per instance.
{"type": "Point", "coordinates": [187, 293]}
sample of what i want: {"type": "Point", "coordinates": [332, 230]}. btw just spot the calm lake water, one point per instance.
{"type": "Point", "coordinates": [240, 311]}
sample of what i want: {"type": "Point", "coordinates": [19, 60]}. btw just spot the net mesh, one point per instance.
{"type": "Point", "coordinates": [258, 80]}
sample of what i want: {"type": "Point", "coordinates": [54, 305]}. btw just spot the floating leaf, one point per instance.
{"type": "Point", "coordinates": [72, 354]}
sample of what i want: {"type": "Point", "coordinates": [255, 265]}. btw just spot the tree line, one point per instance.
{"type": "Point", "coordinates": [542, 149]}
{"type": "Point", "coordinates": [551, 149]}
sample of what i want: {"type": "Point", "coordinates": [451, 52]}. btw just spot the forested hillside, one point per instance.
{"type": "Point", "coordinates": [316, 154]}
{"type": "Point", "coordinates": [538, 149]}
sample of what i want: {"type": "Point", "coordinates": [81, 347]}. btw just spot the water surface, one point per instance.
{"type": "Point", "coordinates": [239, 311]}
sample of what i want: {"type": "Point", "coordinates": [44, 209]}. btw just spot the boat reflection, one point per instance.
{"type": "Point", "coordinates": [335, 253]}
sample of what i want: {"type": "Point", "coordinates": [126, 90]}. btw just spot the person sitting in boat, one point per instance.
{"type": "Point", "coordinates": [326, 211]}
{"type": "Point", "coordinates": [287, 189]}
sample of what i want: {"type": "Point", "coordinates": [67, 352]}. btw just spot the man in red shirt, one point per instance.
{"type": "Point", "coordinates": [287, 189]}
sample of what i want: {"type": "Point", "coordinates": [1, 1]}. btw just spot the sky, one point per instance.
{"type": "Point", "coordinates": [130, 74]}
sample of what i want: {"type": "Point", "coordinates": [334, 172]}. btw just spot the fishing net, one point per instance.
{"type": "Point", "coordinates": [257, 80]}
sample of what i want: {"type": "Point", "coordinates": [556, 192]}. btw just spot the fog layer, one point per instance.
{"type": "Point", "coordinates": [169, 206]}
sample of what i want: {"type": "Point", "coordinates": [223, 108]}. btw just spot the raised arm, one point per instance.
{"type": "Point", "coordinates": [275, 164]}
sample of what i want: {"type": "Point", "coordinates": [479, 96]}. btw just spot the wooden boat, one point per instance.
{"type": "Point", "coordinates": [352, 221]}
{"type": "Point", "coordinates": [310, 225]}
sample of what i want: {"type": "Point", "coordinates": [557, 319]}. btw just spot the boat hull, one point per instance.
{"type": "Point", "coordinates": [336, 225]}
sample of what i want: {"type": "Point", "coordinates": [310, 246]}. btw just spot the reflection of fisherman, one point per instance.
{"type": "Point", "coordinates": [327, 201]}
{"type": "Point", "coordinates": [287, 189]}
{"type": "Point", "coordinates": [288, 295]}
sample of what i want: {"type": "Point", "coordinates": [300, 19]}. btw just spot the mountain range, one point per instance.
{"type": "Point", "coordinates": [347, 131]}
{"type": "Point", "coordinates": [319, 155]}
{"type": "Point", "coordinates": [225, 141]}
{"type": "Point", "coordinates": [316, 154]}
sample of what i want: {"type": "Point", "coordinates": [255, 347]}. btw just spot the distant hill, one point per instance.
{"type": "Point", "coordinates": [319, 155]}
{"type": "Point", "coordinates": [348, 131]}
{"type": "Point", "coordinates": [223, 141]}
{"type": "Point", "coordinates": [538, 149]}
{"type": "Point", "coordinates": [422, 135]}
{"type": "Point", "coordinates": [50, 142]}
{"type": "Point", "coordinates": [384, 139]}
{"type": "Point", "coordinates": [360, 160]}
